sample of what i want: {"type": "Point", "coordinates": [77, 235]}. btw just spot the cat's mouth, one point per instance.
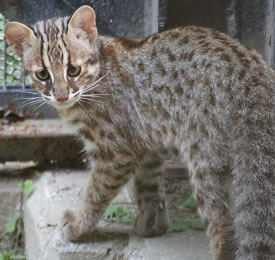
{"type": "Point", "coordinates": [72, 100]}
{"type": "Point", "coordinates": [63, 105]}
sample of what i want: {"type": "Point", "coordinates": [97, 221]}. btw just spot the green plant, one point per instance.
{"type": "Point", "coordinates": [119, 213]}
{"type": "Point", "coordinates": [182, 224]}
{"type": "Point", "coordinates": [12, 225]}
{"type": "Point", "coordinates": [10, 256]}
{"type": "Point", "coordinates": [179, 224]}
{"type": "Point", "coordinates": [26, 187]}
{"type": "Point", "coordinates": [188, 205]}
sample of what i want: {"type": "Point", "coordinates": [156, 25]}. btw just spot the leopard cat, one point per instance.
{"type": "Point", "coordinates": [189, 92]}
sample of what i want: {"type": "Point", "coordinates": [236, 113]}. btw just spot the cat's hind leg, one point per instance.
{"type": "Point", "coordinates": [254, 193]}
{"type": "Point", "coordinates": [152, 219]}
{"type": "Point", "coordinates": [209, 189]}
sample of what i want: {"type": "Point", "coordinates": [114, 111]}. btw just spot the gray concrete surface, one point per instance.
{"type": "Point", "coordinates": [56, 192]}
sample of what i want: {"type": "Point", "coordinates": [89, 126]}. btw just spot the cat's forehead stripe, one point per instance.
{"type": "Point", "coordinates": [53, 45]}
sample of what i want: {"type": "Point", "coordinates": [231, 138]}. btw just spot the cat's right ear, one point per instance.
{"type": "Point", "coordinates": [84, 19]}
{"type": "Point", "coordinates": [19, 36]}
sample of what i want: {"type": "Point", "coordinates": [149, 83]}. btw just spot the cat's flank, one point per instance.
{"type": "Point", "coordinates": [191, 92]}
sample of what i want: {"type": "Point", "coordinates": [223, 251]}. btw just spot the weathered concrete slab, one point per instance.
{"type": "Point", "coordinates": [56, 192]}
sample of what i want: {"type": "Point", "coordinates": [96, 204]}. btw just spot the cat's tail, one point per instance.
{"type": "Point", "coordinates": [254, 191]}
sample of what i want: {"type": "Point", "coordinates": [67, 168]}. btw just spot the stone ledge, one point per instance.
{"type": "Point", "coordinates": [49, 143]}
{"type": "Point", "coordinates": [58, 191]}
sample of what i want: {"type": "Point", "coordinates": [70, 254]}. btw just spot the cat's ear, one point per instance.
{"type": "Point", "coordinates": [84, 19]}
{"type": "Point", "coordinates": [19, 36]}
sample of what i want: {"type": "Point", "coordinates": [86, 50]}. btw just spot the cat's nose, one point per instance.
{"type": "Point", "coordinates": [61, 94]}
{"type": "Point", "coordinates": [62, 98]}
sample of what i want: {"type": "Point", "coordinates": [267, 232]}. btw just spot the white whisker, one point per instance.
{"type": "Point", "coordinates": [88, 100]}
{"type": "Point", "coordinates": [25, 92]}
{"type": "Point", "coordinates": [99, 97]}
{"type": "Point", "coordinates": [79, 103]}
{"type": "Point", "coordinates": [46, 108]}
{"type": "Point", "coordinates": [46, 97]}
{"type": "Point", "coordinates": [29, 103]}
{"type": "Point", "coordinates": [32, 99]}
{"type": "Point", "coordinates": [93, 85]}
{"type": "Point", "coordinates": [101, 68]}
{"type": "Point", "coordinates": [27, 98]}
{"type": "Point", "coordinates": [76, 94]}
{"type": "Point", "coordinates": [95, 95]}
{"type": "Point", "coordinates": [44, 102]}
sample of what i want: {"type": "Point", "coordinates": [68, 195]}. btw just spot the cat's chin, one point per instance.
{"type": "Point", "coordinates": [65, 105]}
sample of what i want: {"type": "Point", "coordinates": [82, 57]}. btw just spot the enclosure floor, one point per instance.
{"type": "Point", "coordinates": [58, 191]}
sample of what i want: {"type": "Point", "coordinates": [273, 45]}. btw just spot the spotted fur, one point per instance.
{"type": "Point", "coordinates": [190, 92]}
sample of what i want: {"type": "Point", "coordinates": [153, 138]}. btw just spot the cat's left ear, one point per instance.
{"type": "Point", "coordinates": [84, 19]}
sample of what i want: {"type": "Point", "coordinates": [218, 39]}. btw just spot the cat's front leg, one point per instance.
{"type": "Point", "coordinates": [103, 185]}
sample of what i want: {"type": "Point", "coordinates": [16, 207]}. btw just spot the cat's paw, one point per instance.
{"type": "Point", "coordinates": [70, 227]}
{"type": "Point", "coordinates": [152, 222]}
{"type": "Point", "coordinates": [222, 244]}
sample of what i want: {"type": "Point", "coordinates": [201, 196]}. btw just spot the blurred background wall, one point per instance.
{"type": "Point", "coordinates": [251, 21]}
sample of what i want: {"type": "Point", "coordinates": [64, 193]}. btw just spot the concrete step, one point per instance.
{"type": "Point", "coordinates": [58, 191]}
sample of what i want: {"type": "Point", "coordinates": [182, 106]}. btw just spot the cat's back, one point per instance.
{"type": "Point", "coordinates": [194, 45]}
{"type": "Point", "coordinates": [190, 50]}
{"type": "Point", "coordinates": [194, 54]}
{"type": "Point", "coordinates": [194, 69]}
{"type": "Point", "coordinates": [202, 49]}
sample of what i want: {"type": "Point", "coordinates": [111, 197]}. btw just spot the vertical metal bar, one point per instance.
{"type": "Point", "coordinates": [151, 12]}
{"type": "Point", "coordinates": [268, 53]}
{"type": "Point", "coordinates": [23, 77]}
{"type": "Point", "coordinates": [155, 16]}
{"type": "Point", "coordinates": [254, 23]}
{"type": "Point", "coordinates": [231, 29]}
{"type": "Point", "coordinates": [162, 14]}
{"type": "Point", "coordinates": [273, 34]}
{"type": "Point", "coordinates": [5, 68]}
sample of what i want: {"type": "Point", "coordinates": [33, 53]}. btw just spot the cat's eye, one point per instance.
{"type": "Point", "coordinates": [73, 71]}
{"type": "Point", "coordinates": [43, 75]}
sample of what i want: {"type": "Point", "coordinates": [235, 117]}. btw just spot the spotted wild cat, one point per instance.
{"type": "Point", "coordinates": [190, 92]}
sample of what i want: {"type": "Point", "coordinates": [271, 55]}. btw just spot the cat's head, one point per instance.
{"type": "Point", "coordinates": [60, 56]}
